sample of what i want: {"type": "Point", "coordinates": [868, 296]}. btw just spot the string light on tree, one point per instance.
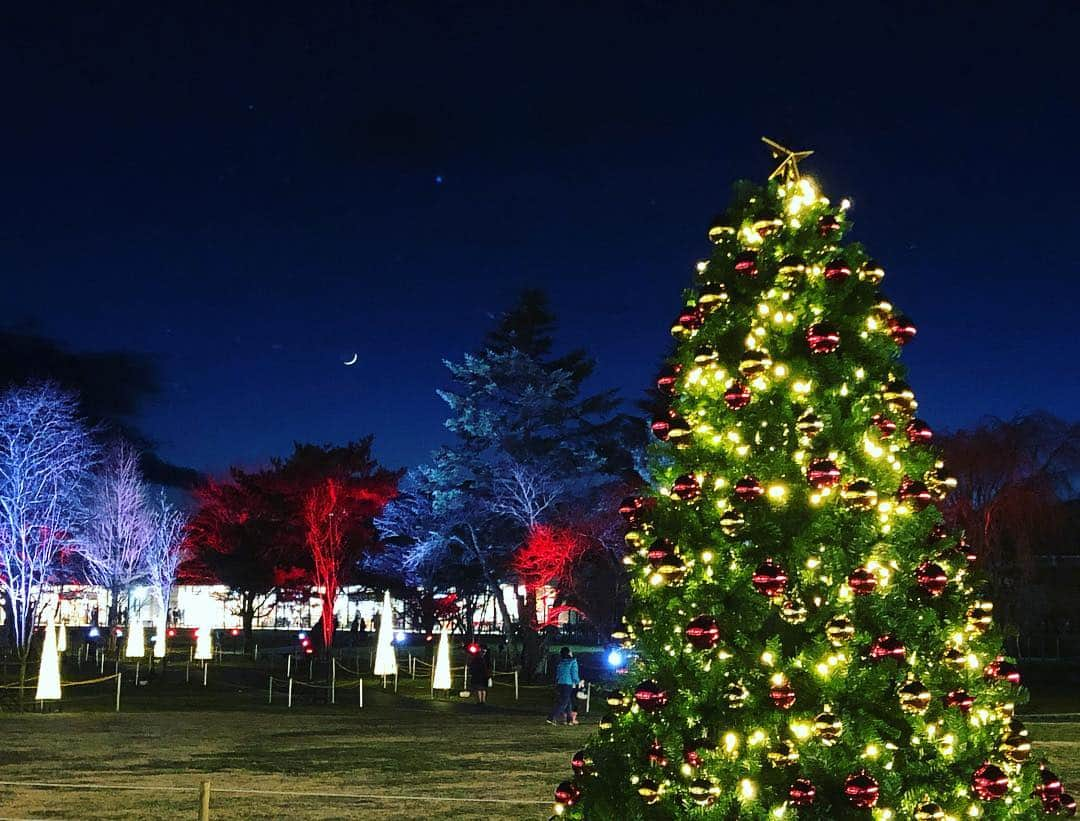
{"type": "Point", "coordinates": [829, 658]}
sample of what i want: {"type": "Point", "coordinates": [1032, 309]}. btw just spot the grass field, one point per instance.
{"type": "Point", "coordinates": [415, 754]}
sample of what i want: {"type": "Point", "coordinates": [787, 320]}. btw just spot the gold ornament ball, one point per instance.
{"type": "Point", "coordinates": [828, 728]}
{"type": "Point", "coordinates": [703, 792]}
{"type": "Point", "coordinates": [782, 754]}
{"type": "Point", "coordinates": [736, 694]}
{"type": "Point", "coordinates": [914, 697]}
{"type": "Point", "coordinates": [929, 811]}
{"type": "Point", "coordinates": [860, 494]}
{"type": "Point", "coordinates": [1016, 748]}
{"type": "Point", "coordinates": [649, 791]}
{"type": "Point", "coordinates": [793, 612]}
{"type": "Point", "coordinates": [839, 630]}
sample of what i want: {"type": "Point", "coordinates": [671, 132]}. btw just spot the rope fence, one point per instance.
{"type": "Point", "coordinates": [204, 790]}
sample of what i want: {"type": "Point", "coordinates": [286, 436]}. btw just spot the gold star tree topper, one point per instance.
{"type": "Point", "coordinates": [789, 160]}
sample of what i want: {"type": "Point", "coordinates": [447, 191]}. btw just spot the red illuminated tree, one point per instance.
{"type": "Point", "coordinates": [241, 536]}
{"type": "Point", "coordinates": [338, 530]}
{"type": "Point", "coordinates": [548, 556]}
{"type": "Point", "coordinates": [334, 493]}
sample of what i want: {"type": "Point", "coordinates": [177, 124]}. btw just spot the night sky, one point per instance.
{"type": "Point", "coordinates": [251, 195]}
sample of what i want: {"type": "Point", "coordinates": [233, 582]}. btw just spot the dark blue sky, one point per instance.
{"type": "Point", "coordinates": [251, 194]}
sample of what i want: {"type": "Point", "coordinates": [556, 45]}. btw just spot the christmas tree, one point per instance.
{"type": "Point", "coordinates": [806, 638]}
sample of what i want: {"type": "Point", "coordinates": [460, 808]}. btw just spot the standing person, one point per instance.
{"type": "Point", "coordinates": [354, 628]}
{"type": "Point", "coordinates": [479, 674]}
{"type": "Point", "coordinates": [566, 681]}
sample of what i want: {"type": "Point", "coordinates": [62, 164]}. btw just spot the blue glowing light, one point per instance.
{"type": "Point", "coordinates": [615, 658]}
{"type": "Point", "coordinates": [399, 637]}
{"type": "Point", "coordinates": [302, 636]}
{"type": "Point", "coordinates": [94, 633]}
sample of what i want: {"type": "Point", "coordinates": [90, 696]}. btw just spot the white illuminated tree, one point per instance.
{"type": "Point", "coordinates": [167, 550]}
{"type": "Point", "coordinates": [119, 533]}
{"type": "Point", "coordinates": [46, 453]}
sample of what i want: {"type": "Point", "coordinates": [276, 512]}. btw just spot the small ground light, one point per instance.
{"type": "Point", "coordinates": [170, 632]}
{"type": "Point", "coordinates": [94, 633]}
{"type": "Point", "coordinates": [235, 631]}
{"type": "Point", "coordinates": [119, 631]}
{"type": "Point", "coordinates": [473, 648]}
{"type": "Point", "coordinates": [399, 637]}
{"type": "Point", "coordinates": [302, 635]}
{"type": "Point", "coordinates": [615, 658]}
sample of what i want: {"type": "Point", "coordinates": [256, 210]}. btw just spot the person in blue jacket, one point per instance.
{"type": "Point", "coordinates": [567, 679]}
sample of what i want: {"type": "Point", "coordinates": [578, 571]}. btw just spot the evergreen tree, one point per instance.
{"type": "Point", "coordinates": [808, 640]}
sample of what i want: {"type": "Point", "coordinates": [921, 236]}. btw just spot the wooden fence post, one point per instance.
{"type": "Point", "coordinates": [204, 801]}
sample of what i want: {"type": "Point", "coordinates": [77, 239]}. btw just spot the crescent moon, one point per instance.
{"type": "Point", "coordinates": [352, 361]}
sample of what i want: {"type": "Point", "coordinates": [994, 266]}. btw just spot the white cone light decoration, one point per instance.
{"type": "Point", "coordinates": [159, 644]}
{"type": "Point", "coordinates": [61, 638]}
{"type": "Point", "coordinates": [136, 639]}
{"type": "Point", "coordinates": [48, 686]}
{"type": "Point", "coordinates": [385, 659]}
{"type": "Point", "coordinates": [204, 650]}
{"type": "Point", "coordinates": [441, 680]}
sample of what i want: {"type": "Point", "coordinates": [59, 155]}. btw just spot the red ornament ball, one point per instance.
{"type": "Point", "coordinates": [655, 755]}
{"type": "Point", "coordinates": [567, 793]}
{"type": "Point", "coordinates": [581, 763]}
{"type": "Point", "coordinates": [687, 322]}
{"type": "Point", "coordinates": [918, 432]}
{"type": "Point", "coordinates": [822, 473]}
{"type": "Point", "coordinates": [901, 329]}
{"type": "Point", "coordinates": [828, 224]}
{"type": "Point", "coordinates": [692, 752]}
{"type": "Point", "coordinates": [960, 700]}
{"type": "Point", "coordinates": [769, 579]}
{"type": "Point", "coordinates": [802, 793]}
{"type": "Point", "coordinates": [862, 582]}
{"type": "Point", "coordinates": [966, 551]}
{"type": "Point", "coordinates": [989, 782]}
{"type": "Point", "coordinates": [662, 553]}
{"type": "Point", "coordinates": [1001, 670]}
{"type": "Point", "coordinates": [822, 337]}
{"type": "Point", "coordinates": [630, 508]}
{"type": "Point", "coordinates": [703, 632]}
{"type": "Point", "coordinates": [746, 264]}
{"type": "Point", "coordinates": [886, 426]}
{"type": "Point", "coordinates": [861, 790]}
{"type": "Point", "coordinates": [837, 270]}
{"type": "Point", "coordinates": [915, 493]}
{"type": "Point", "coordinates": [1049, 784]}
{"type": "Point", "coordinates": [748, 488]}
{"type": "Point", "coordinates": [931, 578]}
{"type": "Point", "coordinates": [737, 396]}
{"type": "Point", "coordinates": [686, 488]}
{"type": "Point", "coordinates": [650, 696]}
{"type": "Point", "coordinates": [1063, 805]}
{"type": "Point", "coordinates": [887, 647]}
{"type": "Point", "coordinates": [782, 696]}
{"type": "Point", "coordinates": [667, 381]}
